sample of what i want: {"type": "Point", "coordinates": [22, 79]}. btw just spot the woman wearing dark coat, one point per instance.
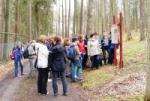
{"type": "Point", "coordinates": [58, 66]}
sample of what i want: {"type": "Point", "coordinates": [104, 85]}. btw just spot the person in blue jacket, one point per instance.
{"type": "Point", "coordinates": [17, 61]}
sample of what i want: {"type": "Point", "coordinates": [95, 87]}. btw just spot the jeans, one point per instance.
{"type": "Point", "coordinates": [73, 71]}
{"type": "Point", "coordinates": [42, 80]}
{"type": "Point", "coordinates": [79, 68]}
{"type": "Point", "coordinates": [81, 60]}
{"type": "Point", "coordinates": [63, 80]}
{"type": "Point", "coordinates": [31, 61]}
{"type": "Point", "coordinates": [18, 67]}
{"type": "Point", "coordinates": [95, 60]}
{"type": "Point", "coordinates": [105, 49]}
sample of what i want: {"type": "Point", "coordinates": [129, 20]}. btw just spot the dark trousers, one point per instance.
{"type": "Point", "coordinates": [95, 60]}
{"type": "Point", "coordinates": [84, 61]}
{"type": "Point", "coordinates": [105, 50]}
{"type": "Point", "coordinates": [21, 67]}
{"type": "Point", "coordinates": [63, 80]}
{"type": "Point", "coordinates": [42, 80]}
{"type": "Point", "coordinates": [111, 56]}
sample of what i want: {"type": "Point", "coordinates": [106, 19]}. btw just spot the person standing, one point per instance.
{"type": "Point", "coordinates": [81, 46]}
{"type": "Point", "coordinates": [17, 61]}
{"type": "Point", "coordinates": [42, 65]}
{"type": "Point", "coordinates": [105, 46]}
{"type": "Point", "coordinates": [32, 56]}
{"type": "Point", "coordinates": [94, 51]}
{"type": "Point", "coordinates": [58, 66]}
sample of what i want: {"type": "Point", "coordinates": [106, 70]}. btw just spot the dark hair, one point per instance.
{"type": "Point", "coordinates": [91, 35]}
{"type": "Point", "coordinates": [57, 39]}
{"type": "Point", "coordinates": [74, 39]}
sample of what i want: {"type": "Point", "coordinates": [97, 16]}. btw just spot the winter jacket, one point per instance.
{"type": "Point", "coordinates": [93, 47]}
{"type": "Point", "coordinates": [42, 59]}
{"type": "Point", "coordinates": [17, 54]}
{"type": "Point", "coordinates": [58, 58]}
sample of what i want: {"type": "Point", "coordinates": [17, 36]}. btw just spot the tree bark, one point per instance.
{"type": "Point", "coordinates": [142, 32]}
{"type": "Point", "coordinates": [63, 19]}
{"type": "Point", "coordinates": [81, 17]}
{"type": "Point", "coordinates": [69, 12]}
{"type": "Point", "coordinates": [90, 17]}
{"type": "Point", "coordinates": [6, 28]}
{"type": "Point", "coordinates": [147, 93]}
{"type": "Point", "coordinates": [17, 20]}
{"type": "Point", "coordinates": [30, 19]}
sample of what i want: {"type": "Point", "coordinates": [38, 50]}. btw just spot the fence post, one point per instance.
{"type": "Point", "coordinates": [121, 41]}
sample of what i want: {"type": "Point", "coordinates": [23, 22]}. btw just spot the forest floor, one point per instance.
{"type": "Point", "coordinates": [105, 84]}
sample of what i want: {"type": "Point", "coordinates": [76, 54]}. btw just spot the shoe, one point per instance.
{"type": "Point", "coordinates": [22, 73]}
{"type": "Point", "coordinates": [56, 94]}
{"type": "Point", "coordinates": [45, 94]}
{"type": "Point", "coordinates": [64, 94]}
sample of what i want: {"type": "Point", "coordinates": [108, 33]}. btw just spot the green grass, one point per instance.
{"type": "Point", "coordinates": [97, 77]}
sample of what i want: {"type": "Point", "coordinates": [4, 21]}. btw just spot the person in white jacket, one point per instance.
{"type": "Point", "coordinates": [42, 65]}
{"type": "Point", "coordinates": [94, 51]}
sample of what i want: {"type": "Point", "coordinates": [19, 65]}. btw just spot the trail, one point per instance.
{"type": "Point", "coordinates": [9, 86]}
{"type": "Point", "coordinates": [24, 89]}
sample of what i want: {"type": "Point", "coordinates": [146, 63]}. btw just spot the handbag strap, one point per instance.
{"type": "Point", "coordinates": [37, 53]}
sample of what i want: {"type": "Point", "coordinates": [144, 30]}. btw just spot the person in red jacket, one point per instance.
{"type": "Point", "coordinates": [81, 46]}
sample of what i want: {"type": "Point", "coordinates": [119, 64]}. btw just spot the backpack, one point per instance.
{"type": "Point", "coordinates": [26, 53]}
{"type": "Point", "coordinates": [71, 53]}
{"type": "Point", "coordinates": [12, 55]}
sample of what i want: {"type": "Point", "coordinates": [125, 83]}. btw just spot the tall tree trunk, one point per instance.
{"type": "Point", "coordinates": [127, 20]}
{"type": "Point", "coordinates": [74, 16]}
{"type": "Point", "coordinates": [69, 12]}
{"type": "Point", "coordinates": [6, 27]}
{"type": "Point", "coordinates": [17, 20]}
{"type": "Point", "coordinates": [66, 19]}
{"type": "Point", "coordinates": [147, 93]}
{"type": "Point", "coordinates": [1, 15]}
{"type": "Point", "coordinates": [37, 19]}
{"type": "Point", "coordinates": [63, 33]}
{"type": "Point", "coordinates": [142, 33]}
{"type": "Point", "coordinates": [30, 19]}
{"type": "Point", "coordinates": [81, 17]}
{"type": "Point", "coordinates": [90, 17]}
{"type": "Point", "coordinates": [59, 23]}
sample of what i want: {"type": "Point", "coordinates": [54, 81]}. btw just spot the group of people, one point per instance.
{"type": "Point", "coordinates": [63, 57]}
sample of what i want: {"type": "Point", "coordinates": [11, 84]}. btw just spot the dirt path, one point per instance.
{"type": "Point", "coordinates": [24, 89]}
{"type": "Point", "coordinates": [29, 92]}
{"type": "Point", "coordinates": [9, 86]}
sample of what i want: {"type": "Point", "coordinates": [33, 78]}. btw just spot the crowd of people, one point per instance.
{"type": "Point", "coordinates": [63, 58]}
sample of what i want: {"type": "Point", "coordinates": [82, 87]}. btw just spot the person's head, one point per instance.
{"type": "Point", "coordinates": [57, 40]}
{"type": "Point", "coordinates": [80, 37]}
{"type": "Point", "coordinates": [74, 39]}
{"type": "Point", "coordinates": [94, 35]}
{"type": "Point", "coordinates": [50, 40]}
{"type": "Point", "coordinates": [42, 38]}
{"type": "Point", "coordinates": [67, 42]}
{"type": "Point", "coordinates": [32, 41]}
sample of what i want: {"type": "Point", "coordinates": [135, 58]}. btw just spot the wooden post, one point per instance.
{"type": "Point", "coordinates": [121, 41]}
{"type": "Point", "coordinates": [115, 53]}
